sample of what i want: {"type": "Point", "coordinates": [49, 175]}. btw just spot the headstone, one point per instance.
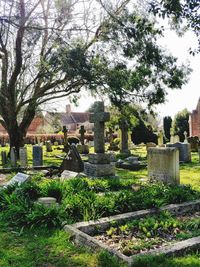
{"type": "Point", "coordinates": [68, 175]}
{"type": "Point", "coordinates": [47, 201]}
{"type": "Point", "coordinates": [13, 157]}
{"type": "Point", "coordinates": [176, 138]}
{"type": "Point", "coordinates": [66, 144]}
{"type": "Point", "coordinates": [171, 136]}
{"type": "Point", "coordinates": [123, 125]}
{"type": "Point", "coordinates": [37, 155]}
{"type": "Point", "coordinates": [49, 146]}
{"type": "Point", "coordinates": [19, 178]}
{"type": "Point", "coordinates": [160, 138]}
{"type": "Point", "coordinates": [99, 164]}
{"type": "Point", "coordinates": [72, 161]}
{"type": "Point", "coordinates": [184, 151]}
{"type": "Point", "coordinates": [23, 157]}
{"type": "Point", "coordinates": [82, 133]}
{"type": "Point", "coordinates": [3, 179]}
{"type": "Point", "coordinates": [3, 158]}
{"type": "Point", "coordinates": [163, 165]}
{"type": "Point", "coordinates": [185, 137]}
{"type": "Point", "coordinates": [133, 160]}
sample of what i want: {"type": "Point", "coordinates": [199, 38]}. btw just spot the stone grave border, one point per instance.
{"type": "Point", "coordinates": [82, 231]}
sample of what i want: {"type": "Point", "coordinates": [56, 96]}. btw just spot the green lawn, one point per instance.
{"type": "Point", "coordinates": [42, 247]}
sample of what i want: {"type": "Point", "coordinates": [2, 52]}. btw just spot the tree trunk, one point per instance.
{"type": "Point", "coordinates": [16, 138]}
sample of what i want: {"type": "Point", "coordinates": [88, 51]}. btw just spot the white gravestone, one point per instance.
{"type": "Point", "coordinates": [163, 165]}
{"type": "Point", "coordinates": [19, 178]}
{"type": "Point", "coordinates": [23, 157]}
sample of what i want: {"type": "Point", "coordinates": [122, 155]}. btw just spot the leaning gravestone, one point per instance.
{"type": "Point", "coordinates": [184, 151]}
{"type": "Point", "coordinates": [19, 178]}
{"type": "Point", "coordinates": [98, 164]}
{"type": "Point", "coordinates": [13, 157]}
{"type": "Point", "coordinates": [23, 157]}
{"type": "Point", "coordinates": [3, 158]}
{"type": "Point", "coordinates": [163, 165]}
{"type": "Point", "coordinates": [72, 161]}
{"type": "Point", "coordinates": [37, 156]}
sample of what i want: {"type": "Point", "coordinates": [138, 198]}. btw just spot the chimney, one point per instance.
{"type": "Point", "coordinates": [68, 108]}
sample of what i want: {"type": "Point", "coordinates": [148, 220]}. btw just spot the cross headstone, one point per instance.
{"type": "Point", "coordinates": [23, 157]}
{"type": "Point", "coordinates": [99, 117]}
{"type": "Point", "coordinates": [3, 158]}
{"type": "Point", "coordinates": [82, 132]}
{"type": "Point", "coordinates": [13, 157]}
{"type": "Point", "coordinates": [66, 144]}
{"type": "Point", "coordinates": [19, 178]}
{"type": "Point", "coordinates": [123, 125]}
{"type": "Point", "coordinates": [37, 156]}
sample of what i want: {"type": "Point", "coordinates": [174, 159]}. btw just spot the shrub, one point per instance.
{"type": "Point", "coordinates": [73, 140]}
{"type": "Point", "coordinates": [53, 189]}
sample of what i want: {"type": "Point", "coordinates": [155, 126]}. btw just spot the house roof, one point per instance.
{"type": "Point", "coordinates": [71, 118]}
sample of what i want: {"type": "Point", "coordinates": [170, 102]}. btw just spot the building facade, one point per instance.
{"type": "Point", "coordinates": [194, 121]}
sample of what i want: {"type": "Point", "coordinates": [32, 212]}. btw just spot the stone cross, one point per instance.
{"type": "Point", "coordinates": [23, 157]}
{"type": "Point", "coordinates": [123, 125]}
{"type": "Point", "coordinates": [13, 157]}
{"type": "Point", "coordinates": [185, 140]}
{"type": "Point", "coordinates": [82, 132]}
{"type": "Point", "coordinates": [99, 117]}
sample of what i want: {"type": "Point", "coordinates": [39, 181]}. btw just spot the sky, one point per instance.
{"type": "Point", "coordinates": [177, 100]}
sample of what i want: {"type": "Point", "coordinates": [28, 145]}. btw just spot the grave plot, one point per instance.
{"type": "Point", "coordinates": [170, 230]}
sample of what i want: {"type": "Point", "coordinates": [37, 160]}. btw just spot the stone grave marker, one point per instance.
{"type": "Point", "coordinates": [184, 151]}
{"type": "Point", "coordinates": [47, 201]}
{"type": "Point", "coordinates": [160, 138]}
{"type": "Point", "coordinates": [49, 146]}
{"type": "Point", "coordinates": [123, 125]}
{"type": "Point", "coordinates": [13, 157]}
{"type": "Point", "coordinates": [185, 137]}
{"type": "Point", "coordinates": [82, 148]}
{"type": "Point", "coordinates": [68, 175]}
{"type": "Point", "coordinates": [176, 139]}
{"type": "Point", "coordinates": [23, 157]}
{"type": "Point", "coordinates": [72, 161]}
{"type": "Point", "coordinates": [171, 136]}
{"type": "Point", "coordinates": [66, 144]}
{"type": "Point", "coordinates": [3, 158]}
{"type": "Point", "coordinates": [98, 164]}
{"type": "Point", "coordinates": [163, 164]}
{"type": "Point", "coordinates": [19, 178]}
{"type": "Point", "coordinates": [37, 155]}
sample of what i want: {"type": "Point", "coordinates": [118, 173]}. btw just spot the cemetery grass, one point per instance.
{"type": "Point", "coordinates": [32, 244]}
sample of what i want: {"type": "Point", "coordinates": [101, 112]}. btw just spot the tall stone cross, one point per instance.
{"type": "Point", "coordinates": [123, 125]}
{"type": "Point", "coordinates": [82, 132]}
{"type": "Point", "coordinates": [99, 117]}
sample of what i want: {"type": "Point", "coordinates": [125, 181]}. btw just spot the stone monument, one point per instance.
{"type": "Point", "coordinates": [99, 164]}
{"type": "Point", "coordinates": [82, 148]}
{"type": "Point", "coordinates": [23, 157]}
{"type": "Point", "coordinates": [163, 165]}
{"type": "Point", "coordinates": [184, 151]}
{"type": "Point", "coordinates": [13, 157]}
{"type": "Point", "coordinates": [160, 138]}
{"type": "Point", "coordinates": [37, 155]}
{"type": "Point", "coordinates": [66, 144]}
{"type": "Point", "coordinates": [123, 125]}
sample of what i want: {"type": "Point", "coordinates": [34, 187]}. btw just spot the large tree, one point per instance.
{"type": "Point", "coordinates": [55, 48]}
{"type": "Point", "coordinates": [181, 124]}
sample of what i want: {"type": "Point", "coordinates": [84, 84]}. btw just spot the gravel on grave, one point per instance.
{"type": "Point", "coordinates": [121, 241]}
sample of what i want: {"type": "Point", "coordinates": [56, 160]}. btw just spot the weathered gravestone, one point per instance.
{"type": "Point", "coordinates": [19, 178]}
{"type": "Point", "coordinates": [123, 125]}
{"type": "Point", "coordinates": [68, 175]}
{"type": "Point", "coordinates": [98, 164]}
{"type": "Point", "coordinates": [163, 165]}
{"type": "Point", "coordinates": [49, 146]}
{"type": "Point", "coordinates": [176, 139]}
{"type": "Point", "coordinates": [47, 201]}
{"type": "Point", "coordinates": [82, 148]}
{"type": "Point", "coordinates": [23, 157]}
{"type": "Point", "coordinates": [3, 158]}
{"type": "Point", "coordinates": [184, 151]}
{"type": "Point", "coordinates": [37, 156]}
{"type": "Point", "coordinates": [13, 157]}
{"type": "Point", "coordinates": [72, 161]}
{"type": "Point", "coordinates": [160, 138]}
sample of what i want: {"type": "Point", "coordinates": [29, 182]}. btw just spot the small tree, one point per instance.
{"type": "Point", "coordinates": [167, 124]}
{"type": "Point", "coordinates": [181, 124]}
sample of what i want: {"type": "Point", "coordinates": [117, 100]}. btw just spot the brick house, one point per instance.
{"type": "Point", "coordinates": [194, 121]}
{"type": "Point", "coordinates": [72, 120]}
